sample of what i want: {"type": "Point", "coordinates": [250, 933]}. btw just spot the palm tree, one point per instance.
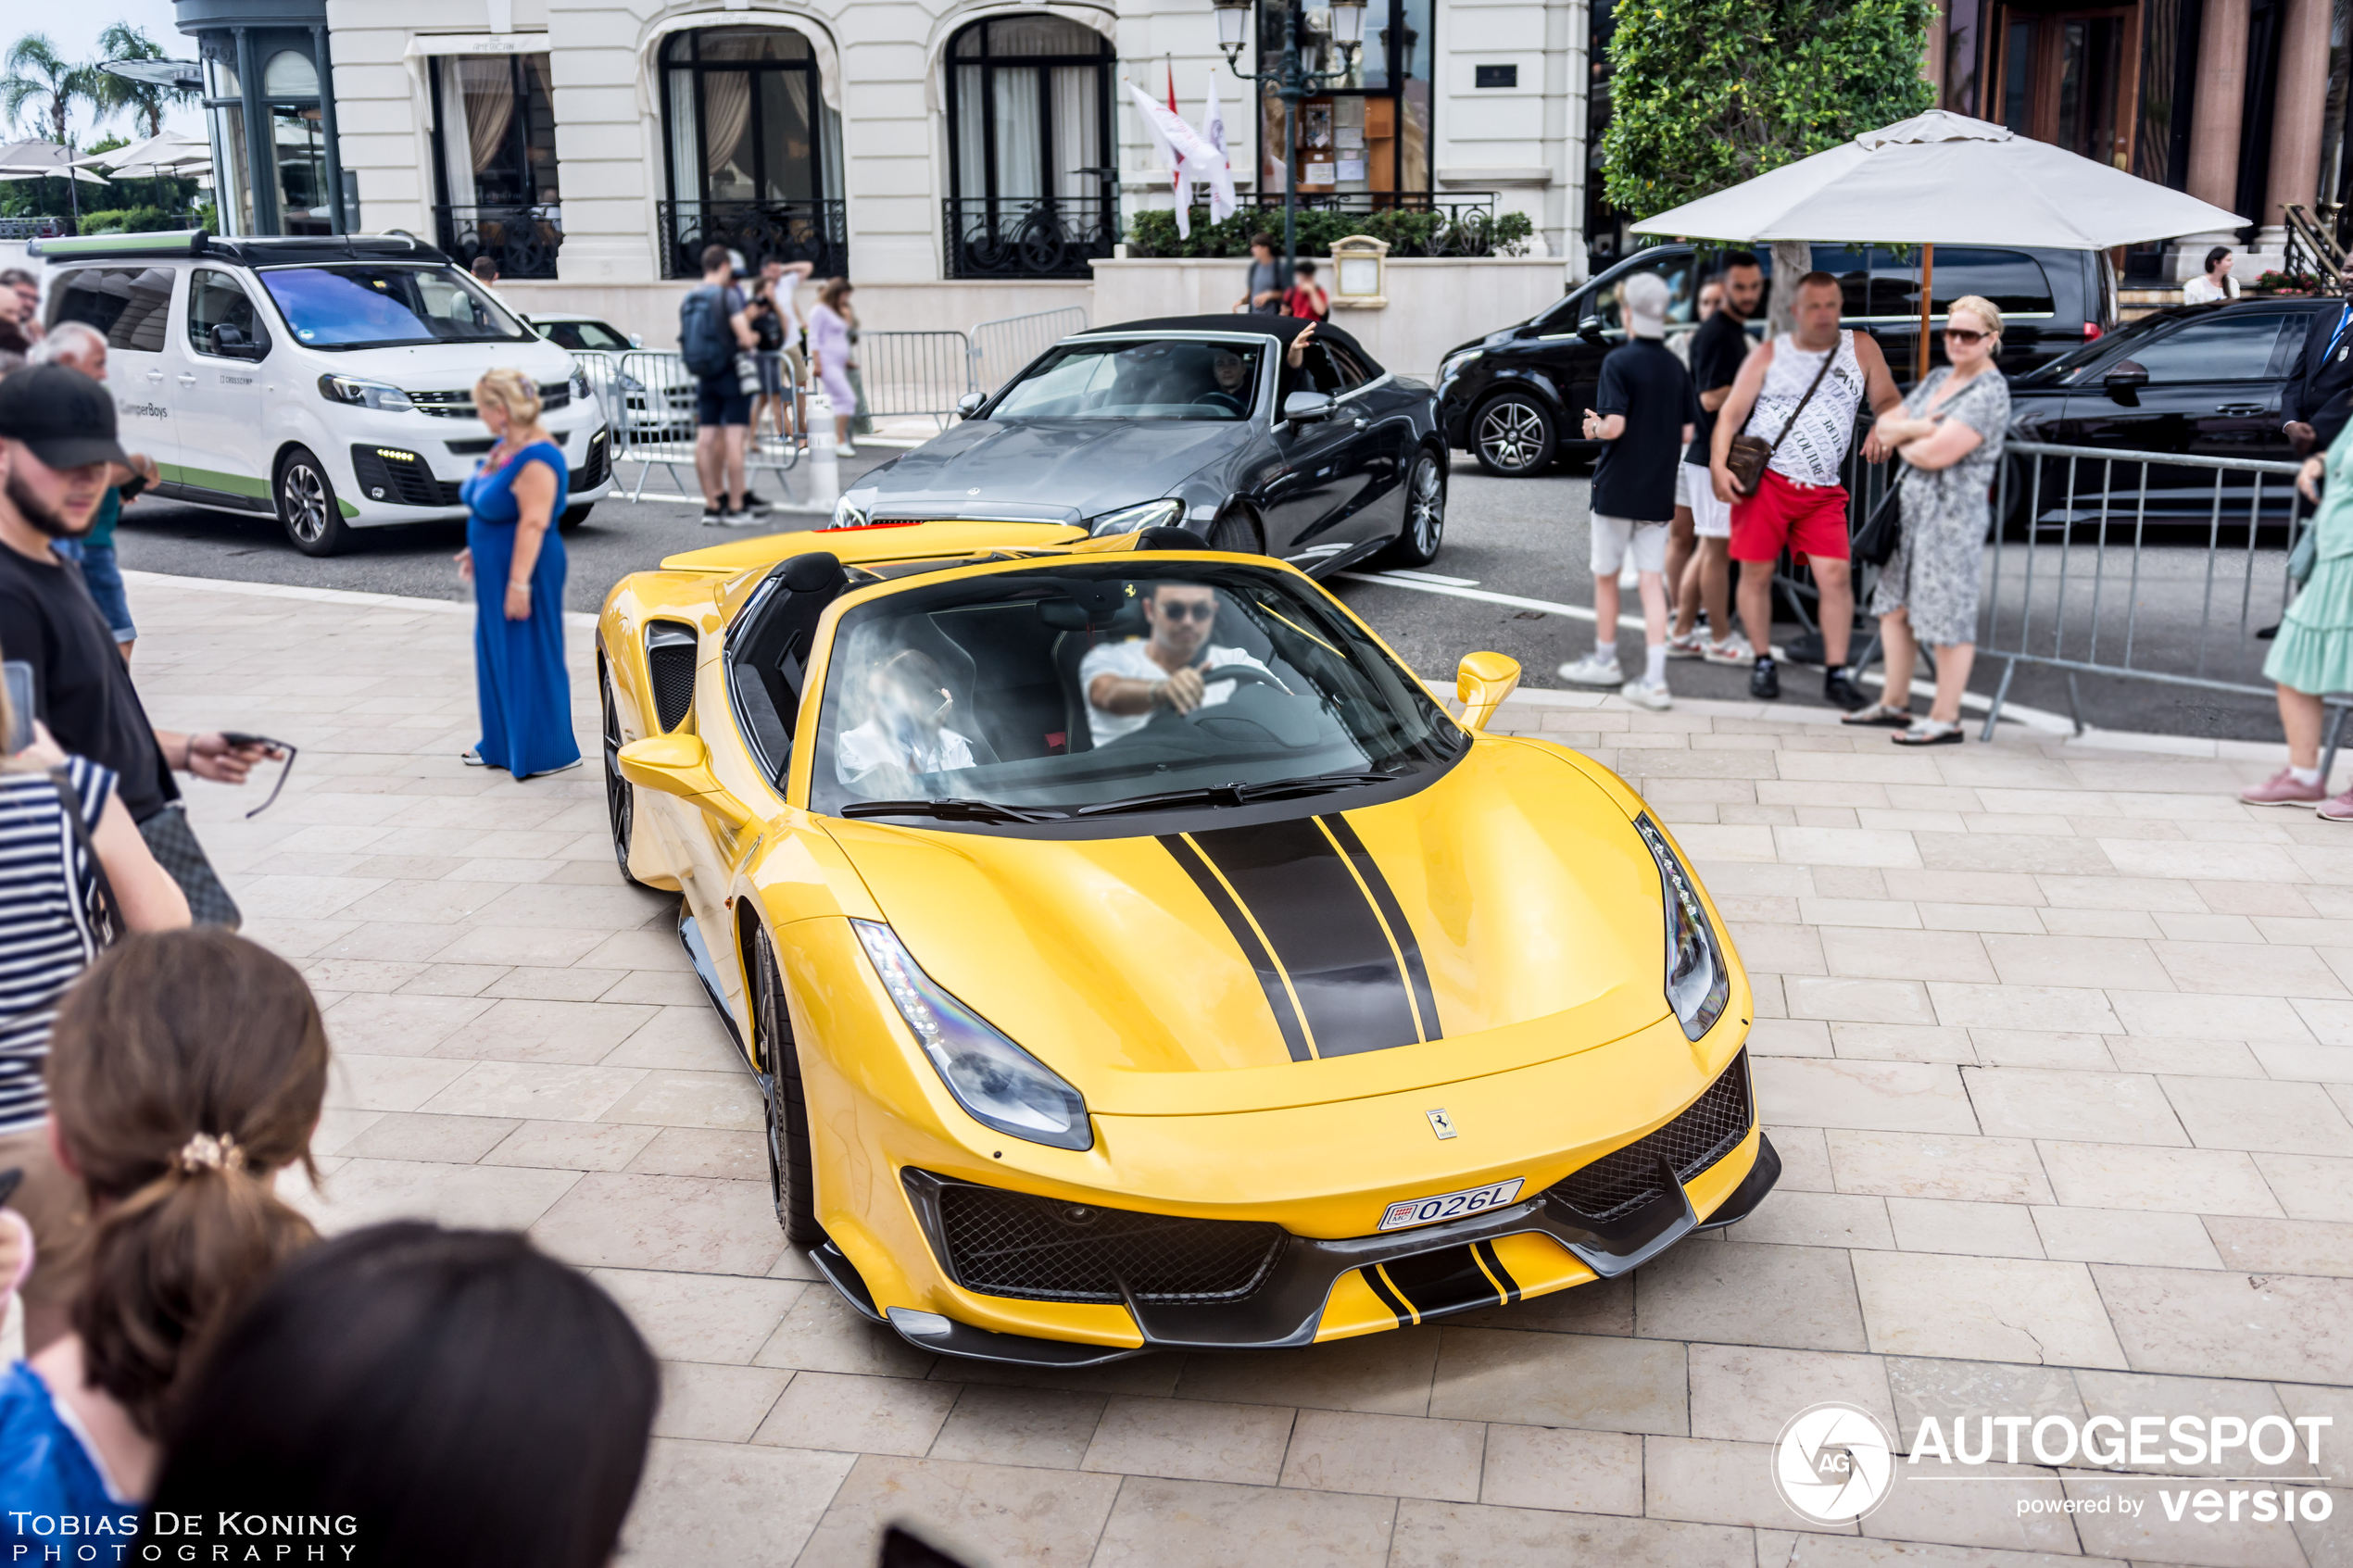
{"type": "Point", "coordinates": [115, 94]}
{"type": "Point", "coordinates": [38, 75]}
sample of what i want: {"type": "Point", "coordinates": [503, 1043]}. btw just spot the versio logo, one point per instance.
{"type": "Point", "coordinates": [1833, 1463]}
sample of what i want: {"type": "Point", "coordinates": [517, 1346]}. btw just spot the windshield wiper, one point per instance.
{"type": "Point", "coordinates": [952, 809]}
{"type": "Point", "coordinates": [1239, 794]}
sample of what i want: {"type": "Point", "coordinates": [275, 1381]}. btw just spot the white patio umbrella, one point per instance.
{"type": "Point", "coordinates": [79, 176]}
{"type": "Point", "coordinates": [156, 152]}
{"type": "Point", "coordinates": [1944, 179]}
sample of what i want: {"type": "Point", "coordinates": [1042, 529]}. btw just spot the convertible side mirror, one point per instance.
{"type": "Point", "coordinates": [1481, 682]}
{"type": "Point", "coordinates": [1307, 407]}
{"type": "Point", "coordinates": [1591, 327]}
{"type": "Point", "coordinates": [969, 403]}
{"type": "Point", "coordinates": [680, 765]}
{"type": "Point", "coordinates": [637, 340]}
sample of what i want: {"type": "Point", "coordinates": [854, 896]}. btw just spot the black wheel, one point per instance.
{"type": "Point", "coordinates": [306, 506]}
{"type": "Point", "coordinates": [789, 1181]}
{"type": "Point", "coordinates": [1425, 528]}
{"type": "Point", "coordinates": [621, 796]}
{"type": "Point", "coordinates": [574, 516]}
{"type": "Point", "coordinates": [1513, 435]}
{"type": "Point", "coordinates": [1234, 532]}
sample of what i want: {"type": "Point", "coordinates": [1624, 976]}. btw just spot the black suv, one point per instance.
{"type": "Point", "coordinates": [1513, 397]}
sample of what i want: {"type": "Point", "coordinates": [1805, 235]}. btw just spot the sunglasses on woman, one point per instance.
{"type": "Point", "coordinates": [1965, 337]}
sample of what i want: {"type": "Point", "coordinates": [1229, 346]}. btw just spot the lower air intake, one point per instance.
{"type": "Point", "coordinates": [1040, 1249]}
{"type": "Point", "coordinates": [1625, 1179]}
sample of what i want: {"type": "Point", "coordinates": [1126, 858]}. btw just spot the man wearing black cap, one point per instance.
{"type": "Point", "coordinates": [57, 445]}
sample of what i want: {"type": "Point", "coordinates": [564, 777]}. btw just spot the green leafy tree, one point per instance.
{"type": "Point", "coordinates": [41, 79]}
{"type": "Point", "coordinates": [144, 101]}
{"type": "Point", "coordinates": [1706, 93]}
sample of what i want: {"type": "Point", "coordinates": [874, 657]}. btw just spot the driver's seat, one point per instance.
{"type": "Point", "coordinates": [1077, 630]}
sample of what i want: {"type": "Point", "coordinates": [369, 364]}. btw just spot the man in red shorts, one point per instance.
{"type": "Point", "coordinates": [1802, 392]}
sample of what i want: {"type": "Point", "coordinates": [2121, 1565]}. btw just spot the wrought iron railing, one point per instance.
{"type": "Point", "coordinates": [816, 231]}
{"type": "Point", "coordinates": [1043, 237]}
{"type": "Point", "coordinates": [1413, 222]}
{"type": "Point", "coordinates": [521, 240]}
{"type": "Point", "coordinates": [2312, 251]}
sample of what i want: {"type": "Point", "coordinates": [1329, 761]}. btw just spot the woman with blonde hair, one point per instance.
{"type": "Point", "coordinates": [1949, 436]}
{"type": "Point", "coordinates": [516, 560]}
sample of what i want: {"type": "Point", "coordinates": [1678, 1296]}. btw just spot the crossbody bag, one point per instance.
{"type": "Point", "coordinates": [1749, 454]}
{"type": "Point", "coordinates": [107, 923]}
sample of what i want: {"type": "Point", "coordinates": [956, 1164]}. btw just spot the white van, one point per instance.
{"type": "Point", "coordinates": [326, 381]}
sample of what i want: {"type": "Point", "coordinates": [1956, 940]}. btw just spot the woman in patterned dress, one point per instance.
{"type": "Point", "coordinates": [2313, 654]}
{"type": "Point", "coordinates": [1949, 434]}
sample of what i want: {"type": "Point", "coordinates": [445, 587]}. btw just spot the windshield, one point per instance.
{"type": "Point", "coordinates": [1084, 690]}
{"type": "Point", "coordinates": [1164, 379]}
{"type": "Point", "coordinates": [582, 335]}
{"type": "Point", "coordinates": [360, 304]}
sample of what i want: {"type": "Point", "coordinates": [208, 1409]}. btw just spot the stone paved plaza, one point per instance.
{"type": "Point", "coordinates": [2056, 1041]}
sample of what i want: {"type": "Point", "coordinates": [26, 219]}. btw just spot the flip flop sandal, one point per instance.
{"type": "Point", "coordinates": [472, 758]}
{"type": "Point", "coordinates": [1930, 734]}
{"type": "Point", "coordinates": [1879, 716]}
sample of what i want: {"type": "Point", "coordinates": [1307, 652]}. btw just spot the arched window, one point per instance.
{"type": "Point", "coordinates": [1030, 151]}
{"type": "Point", "coordinates": [754, 152]}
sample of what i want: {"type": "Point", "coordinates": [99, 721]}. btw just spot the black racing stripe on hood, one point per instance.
{"type": "Point", "coordinates": [1385, 899]}
{"type": "Point", "coordinates": [1323, 930]}
{"type": "Point", "coordinates": [1270, 979]}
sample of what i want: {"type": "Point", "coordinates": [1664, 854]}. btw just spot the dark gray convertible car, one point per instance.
{"type": "Point", "coordinates": [1199, 422]}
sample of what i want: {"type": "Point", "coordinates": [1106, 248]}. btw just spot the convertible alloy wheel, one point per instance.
{"type": "Point", "coordinates": [1425, 528]}
{"type": "Point", "coordinates": [789, 1181]}
{"type": "Point", "coordinates": [621, 796]}
{"type": "Point", "coordinates": [307, 507]}
{"type": "Point", "coordinates": [1514, 437]}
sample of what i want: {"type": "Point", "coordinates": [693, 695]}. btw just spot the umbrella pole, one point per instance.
{"type": "Point", "coordinates": [1927, 280]}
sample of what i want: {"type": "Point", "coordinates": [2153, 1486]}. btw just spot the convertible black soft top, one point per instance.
{"type": "Point", "coordinates": [1280, 328]}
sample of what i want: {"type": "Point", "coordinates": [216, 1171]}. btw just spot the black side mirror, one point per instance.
{"type": "Point", "coordinates": [1591, 327]}
{"type": "Point", "coordinates": [969, 403]}
{"type": "Point", "coordinates": [2127, 374]}
{"type": "Point", "coordinates": [230, 342]}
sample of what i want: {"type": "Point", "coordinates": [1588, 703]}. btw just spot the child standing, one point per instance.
{"type": "Point", "coordinates": [1643, 415]}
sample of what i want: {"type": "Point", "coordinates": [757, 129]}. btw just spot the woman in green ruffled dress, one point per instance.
{"type": "Point", "coordinates": [2313, 654]}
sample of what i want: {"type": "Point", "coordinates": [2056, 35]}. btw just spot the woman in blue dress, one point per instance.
{"type": "Point", "coordinates": [516, 560]}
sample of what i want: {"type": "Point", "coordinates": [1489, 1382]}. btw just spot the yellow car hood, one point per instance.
{"type": "Point", "coordinates": [1504, 915]}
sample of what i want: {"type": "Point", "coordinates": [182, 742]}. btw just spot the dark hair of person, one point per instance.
{"type": "Point", "coordinates": [17, 277]}
{"type": "Point", "coordinates": [186, 1069]}
{"type": "Point", "coordinates": [1737, 258]}
{"type": "Point", "coordinates": [485, 268]}
{"type": "Point", "coordinates": [833, 292]}
{"type": "Point", "coordinates": [1817, 280]}
{"type": "Point", "coordinates": [467, 1400]}
{"type": "Point", "coordinates": [1261, 238]}
{"type": "Point", "coordinates": [2216, 254]}
{"type": "Point", "coordinates": [715, 256]}
{"type": "Point", "coordinates": [1306, 268]}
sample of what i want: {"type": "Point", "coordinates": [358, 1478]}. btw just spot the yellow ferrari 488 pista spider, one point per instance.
{"type": "Point", "coordinates": [1132, 955]}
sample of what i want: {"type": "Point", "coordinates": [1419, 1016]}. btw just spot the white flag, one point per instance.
{"type": "Point", "coordinates": [1187, 156]}
{"type": "Point", "coordinates": [1221, 174]}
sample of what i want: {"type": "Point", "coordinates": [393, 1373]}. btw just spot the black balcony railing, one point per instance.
{"type": "Point", "coordinates": [521, 240]}
{"type": "Point", "coordinates": [816, 231]}
{"type": "Point", "coordinates": [1413, 222]}
{"type": "Point", "coordinates": [1044, 237]}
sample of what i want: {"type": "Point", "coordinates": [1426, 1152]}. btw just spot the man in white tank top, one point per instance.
{"type": "Point", "coordinates": [1801, 504]}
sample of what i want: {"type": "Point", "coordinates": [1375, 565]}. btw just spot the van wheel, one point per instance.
{"type": "Point", "coordinates": [1513, 436]}
{"type": "Point", "coordinates": [574, 516]}
{"type": "Point", "coordinates": [306, 506]}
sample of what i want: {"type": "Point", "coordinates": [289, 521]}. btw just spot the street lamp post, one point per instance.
{"type": "Point", "coordinates": [1293, 83]}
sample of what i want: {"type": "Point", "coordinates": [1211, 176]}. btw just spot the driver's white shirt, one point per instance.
{"type": "Point", "coordinates": [1131, 661]}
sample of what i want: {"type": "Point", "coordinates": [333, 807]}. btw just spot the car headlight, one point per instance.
{"type": "Point", "coordinates": [363, 393]}
{"type": "Point", "coordinates": [848, 514]}
{"type": "Point", "coordinates": [628, 382]}
{"type": "Point", "coordinates": [1456, 362]}
{"type": "Point", "coordinates": [1699, 987]}
{"type": "Point", "coordinates": [1000, 1085]}
{"type": "Point", "coordinates": [1133, 519]}
{"type": "Point", "coordinates": [580, 383]}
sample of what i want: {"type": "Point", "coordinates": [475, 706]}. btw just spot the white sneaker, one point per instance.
{"type": "Point", "coordinates": [847, 450]}
{"type": "Point", "coordinates": [1656, 698]}
{"type": "Point", "coordinates": [738, 520]}
{"type": "Point", "coordinates": [1691, 644]}
{"type": "Point", "coordinates": [1733, 649]}
{"type": "Point", "coordinates": [1593, 670]}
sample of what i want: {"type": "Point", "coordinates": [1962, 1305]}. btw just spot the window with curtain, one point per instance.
{"type": "Point", "coordinates": [746, 119]}
{"type": "Point", "coordinates": [1029, 111]}
{"type": "Point", "coordinates": [495, 130]}
{"type": "Point", "coordinates": [1370, 130]}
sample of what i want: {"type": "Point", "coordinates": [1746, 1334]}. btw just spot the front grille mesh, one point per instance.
{"type": "Point", "coordinates": [1012, 1243]}
{"type": "Point", "coordinates": [1623, 1180]}
{"type": "Point", "coordinates": [670, 660]}
{"type": "Point", "coordinates": [401, 478]}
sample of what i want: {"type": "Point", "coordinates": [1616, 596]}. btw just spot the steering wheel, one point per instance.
{"type": "Point", "coordinates": [1226, 400]}
{"type": "Point", "coordinates": [1211, 677]}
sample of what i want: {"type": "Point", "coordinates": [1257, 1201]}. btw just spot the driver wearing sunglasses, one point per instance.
{"type": "Point", "coordinates": [906, 733]}
{"type": "Point", "coordinates": [1127, 682]}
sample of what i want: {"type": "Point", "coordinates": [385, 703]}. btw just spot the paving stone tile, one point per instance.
{"type": "Point", "coordinates": [726, 1503]}
{"type": "Point", "coordinates": [1191, 1440]}
{"type": "Point", "coordinates": [510, 1030]}
{"type": "Point", "coordinates": [1818, 1219]}
{"type": "Point", "coordinates": [1902, 1042]}
{"type": "Point", "coordinates": [821, 1332]}
{"type": "Point", "coordinates": [693, 1317]}
{"type": "Point", "coordinates": [2103, 924]}
{"type": "Point", "coordinates": [727, 1100]}
{"type": "Point", "coordinates": [1979, 917]}
{"type": "Point", "coordinates": [1562, 1468]}
{"type": "Point", "coordinates": [532, 1091]}
{"type": "Point", "coordinates": [2025, 1103]}
{"type": "Point", "coordinates": [1790, 1036]}
{"type": "Point", "coordinates": [1859, 1001]}
{"type": "Point", "coordinates": [2234, 968]}
{"type": "Point", "coordinates": [1984, 1309]}
{"type": "Point", "coordinates": [364, 1192]}
{"type": "Point", "coordinates": [1433, 1535]}
{"type": "Point", "coordinates": [2181, 1015]}
{"type": "Point", "coordinates": [457, 1140]}
{"type": "Point", "coordinates": [2148, 1536]}
{"type": "Point", "coordinates": [1032, 1426]}
{"type": "Point", "coordinates": [1747, 1394]}
{"type": "Point", "coordinates": [2024, 1007]}
{"type": "Point", "coordinates": [696, 1151]}
{"type": "Point", "coordinates": [1844, 846]}
{"type": "Point", "coordinates": [1880, 1096]}
{"type": "Point", "coordinates": [718, 1404]}
{"type": "Point", "coordinates": [689, 1038]}
{"type": "Point", "coordinates": [2311, 1064]}
{"type": "Point", "coordinates": [986, 1513]}
{"type": "Point", "coordinates": [2334, 1459]}
{"type": "Point", "coordinates": [1710, 1482]}
{"type": "Point", "coordinates": [544, 983]}
{"type": "Point", "coordinates": [2187, 1180]}
{"type": "Point", "coordinates": [1980, 1515]}
{"type": "Point", "coordinates": [1883, 954]}
{"type": "Point", "coordinates": [2126, 1235]}
{"type": "Point", "coordinates": [2202, 1058]}
{"type": "Point", "coordinates": [1384, 1373]}
{"type": "Point", "coordinates": [2267, 1117]}
{"type": "Point", "coordinates": [1947, 885]}
{"type": "Point", "coordinates": [1386, 1455]}
{"type": "Point", "coordinates": [686, 1222]}
{"type": "Point", "coordinates": [376, 1023]}
{"type": "Point", "coordinates": [2127, 1395]}
{"type": "Point", "coordinates": [1798, 1297]}
{"type": "Point", "coordinates": [507, 946]}
{"type": "Point", "coordinates": [2075, 961]}
{"type": "Point", "coordinates": [1984, 1230]}
{"type": "Point", "coordinates": [2042, 1048]}
{"type": "Point", "coordinates": [572, 1145]}
{"type": "Point", "coordinates": [2200, 1323]}
{"type": "Point", "coordinates": [1952, 1391]}
{"type": "Point", "coordinates": [1595, 1382]}
{"type": "Point", "coordinates": [1926, 1165]}
{"type": "Point", "coordinates": [2309, 1187]}
{"type": "Point", "coordinates": [2286, 1246]}
{"type": "Point", "coordinates": [858, 1414]}
{"type": "Point", "coordinates": [1777, 1548]}
{"type": "Point", "coordinates": [1165, 1524]}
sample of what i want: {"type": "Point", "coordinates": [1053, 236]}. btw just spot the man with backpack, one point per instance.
{"type": "Point", "coordinates": [714, 328]}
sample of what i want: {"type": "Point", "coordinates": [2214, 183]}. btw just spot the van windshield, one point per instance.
{"type": "Point", "coordinates": [364, 305]}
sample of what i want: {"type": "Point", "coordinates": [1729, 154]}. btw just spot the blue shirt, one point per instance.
{"type": "Point", "coordinates": [52, 1493]}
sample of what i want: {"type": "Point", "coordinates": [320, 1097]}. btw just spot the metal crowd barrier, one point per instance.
{"type": "Point", "coordinates": [650, 407]}
{"type": "Point", "coordinates": [915, 373]}
{"type": "Point", "coordinates": [1010, 342]}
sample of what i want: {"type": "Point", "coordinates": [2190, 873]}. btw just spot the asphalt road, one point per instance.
{"type": "Point", "coordinates": [1524, 539]}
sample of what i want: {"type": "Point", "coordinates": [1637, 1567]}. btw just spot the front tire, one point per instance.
{"type": "Point", "coordinates": [791, 1181]}
{"type": "Point", "coordinates": [574, 516]}
{"type": "Point", "coordinates": [1236, 532]}
{"type": "Point", "coordinates": [621, 796]}
{"type": "Point", "coordinates": [1513, 435]}
{"type": "Point", "coordinates": [1425, 529]}
{"type": "Point", "coordinates": [307, 507]}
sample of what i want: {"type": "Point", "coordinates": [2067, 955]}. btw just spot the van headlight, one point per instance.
{"type": "Point", "coordinates": [1699, 986]}
{"type": "Point", "coordinates": [998, 1083]}
{"type": "Point", "coordinates": [363, 394]}
{"type": "Point", "coordinates": [580, 383]}
{"type": "Point", "coordinates": [1135, 519]}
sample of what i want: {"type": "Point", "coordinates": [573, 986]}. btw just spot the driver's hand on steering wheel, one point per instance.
{"type": "Point", "coordinates": [1181, 691]}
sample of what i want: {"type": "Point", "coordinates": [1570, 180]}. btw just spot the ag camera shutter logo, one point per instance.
{"type": "Point", "coordinates": [1833, 1463]}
